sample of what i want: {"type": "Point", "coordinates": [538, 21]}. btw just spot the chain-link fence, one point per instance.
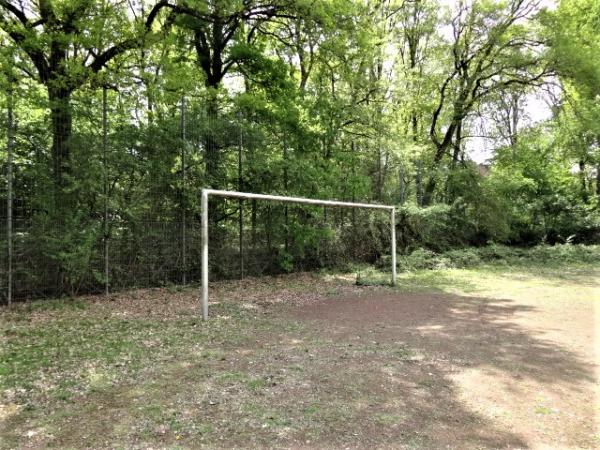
{"type": "Point", "coordinates": [118, 204]}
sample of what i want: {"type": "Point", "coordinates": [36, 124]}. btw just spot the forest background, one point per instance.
{"type": "Point", "coordinates": [479, 120]}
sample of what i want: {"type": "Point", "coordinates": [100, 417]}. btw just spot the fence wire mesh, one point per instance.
{"type": "Point", "coordinates": [103, 198]}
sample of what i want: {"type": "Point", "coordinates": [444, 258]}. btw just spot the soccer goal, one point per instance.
{"type": "Point", "coordinates": [206, 193]}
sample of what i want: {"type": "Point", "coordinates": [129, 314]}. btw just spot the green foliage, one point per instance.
{"type": "Point", "coordinates": [495, 254]}
{"type": "Point", "coordinates": [357, 101]}
{"type": "Point", "coordinates": [474, 218]}
{"type": "Point", "coordinates": [540, 193]}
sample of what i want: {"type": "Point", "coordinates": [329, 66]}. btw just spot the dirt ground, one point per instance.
{"type": "Point", "coordinates": [489, 373]}
{"type": "Point", "coordinates": [489, 360]}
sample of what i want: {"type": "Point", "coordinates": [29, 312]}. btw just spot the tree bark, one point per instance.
{"type": "Point", "coordinates": [419, 182]}
{"type": "Point", "coordinates": [457, 144]}
{"type": "Point", "coordinates": [432, 181]}
{"type": "Point", "coordinates": [428, 191]}
{"type": "Point", "coordinates": [598, 181]}
{"type": "Point", "coordinates": [583, 181]}
{"type": "Point", "coordinates": [62, 130]}
{"type": "Point", "coordinates": [213, 153]}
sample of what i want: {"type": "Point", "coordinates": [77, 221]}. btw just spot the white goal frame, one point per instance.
{"type": "Point", "coordinates": [308, 201]}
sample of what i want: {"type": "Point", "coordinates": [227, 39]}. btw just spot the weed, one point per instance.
{"type": "Point", "coordinates": [543, 410]}
{"type": "Point", "coordinates": [256, 384]}
{"type": "Point", "coordinates": [388, 418]}
{"type": "Point", "coordinates": [311, 410]}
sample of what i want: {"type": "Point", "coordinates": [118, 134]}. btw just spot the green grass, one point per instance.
{"type": "Point", "coordinates": [256, 384]}
{"type": "Point", "coordinates": [465, 270]}
{"type": "Point", "coordinates": [59, 304]}
{"type": "Point", "coordinates": [66, 345]}
{"type": "Point", "coordinates": [74, 349]}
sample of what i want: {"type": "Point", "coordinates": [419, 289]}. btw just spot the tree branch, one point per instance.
{"type": "Point", "coordinates": [20, 37]}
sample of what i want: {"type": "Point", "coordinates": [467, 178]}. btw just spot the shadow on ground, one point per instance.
{"type": "Point", "coordinates": [450, 333]}
{"type": "Point", "coordinates": [367, 371]}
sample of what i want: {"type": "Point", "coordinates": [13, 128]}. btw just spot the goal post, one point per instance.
{"type": "Point", "coordinates": [278, 198]}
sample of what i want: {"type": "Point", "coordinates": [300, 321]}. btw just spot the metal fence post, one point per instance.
{"type": "Point", "coordinates": [105, 183]}
{"type": "Point", "coordinates": [240, 201]}
{"type": "Point", "coordinates": [9, 188]}
{"type": "Point", "coordinates": [183, 203]}
{"type": "Point", "coordinates": [393, 226]}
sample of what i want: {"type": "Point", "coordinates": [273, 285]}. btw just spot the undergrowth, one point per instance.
{"type": "Point", "coordinates": [494, 254]}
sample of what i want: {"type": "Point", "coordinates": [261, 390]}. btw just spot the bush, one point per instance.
{"type": "Point", "coordinates": [434, 228]}
{"type": "Point", "coordinates": [420, 259]}
{"type": "Point", "coordinates": [564, 253]}
{"type": "Point", "coordinates": [444, 227]}
{"type": "Point", "coordinates": [423, 259]}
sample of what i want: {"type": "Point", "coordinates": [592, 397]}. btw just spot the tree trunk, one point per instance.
{"type": "Point", "coordinates": [515, 120]}
{"type": "Point", "coordinates": [415, 127]}
{"type": "Point", "coordinates": [62, 131]}
{"type": "Point", "coordinates": [428, 191]}
{"type": "Point", "coordinates": [583, 181]}
{"type": "Point", "coordinates": [213, 154]}
{"type": "Point", "coordinates": [432, 181]}
{"type": "Point", "coordinates": [457, 144]}
{"type": "Point", "coordinates": [450, 191]}
{"type": "Point", "coordinates": [441, 150]}
{"type": "Point", "coordinates": [598, 181]}
{"type": "Point", "coordinates": [419, 182]}
{"type": "Point", "coordinates": [401, 185]}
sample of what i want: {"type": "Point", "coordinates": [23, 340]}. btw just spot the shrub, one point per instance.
{"type": "Point", "coordinates": [421, 258]}
{"type": "Point", "coordinates": [444, 227]}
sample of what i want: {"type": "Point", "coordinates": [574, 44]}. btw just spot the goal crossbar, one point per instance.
{"type": "Point", "coordinates": [278, 198]}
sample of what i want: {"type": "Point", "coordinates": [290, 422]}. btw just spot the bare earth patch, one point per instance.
{"type": "Point", "coordinates": [469, 359]}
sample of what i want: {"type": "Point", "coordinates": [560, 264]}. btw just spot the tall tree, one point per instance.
{"type": "Point", "coordinates": [67, 43]}
{"type": "Point", "coordinates": [222, 33]}
{"type": "Point", "coordinates": [492, 49]}
{"type": "Point", "coordinates": [574, 30]}
{"type": "Point", "coordinates": [418, 19]}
